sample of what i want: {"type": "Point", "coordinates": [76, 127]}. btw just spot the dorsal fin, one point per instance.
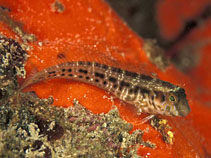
{"type": "Point", "coordinates": [102, 58]}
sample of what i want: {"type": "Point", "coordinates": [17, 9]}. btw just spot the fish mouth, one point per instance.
{"type": "Point", "coordinates": [184, 109]}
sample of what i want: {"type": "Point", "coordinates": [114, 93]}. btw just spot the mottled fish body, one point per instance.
{"type": "Point", "coordinates": [149, 95]}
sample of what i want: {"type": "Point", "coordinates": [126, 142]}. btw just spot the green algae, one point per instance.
{"type": "Point", "coordinates": [33, 128]}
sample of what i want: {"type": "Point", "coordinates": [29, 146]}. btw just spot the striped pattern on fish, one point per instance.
{"type": "Point", "coordinates": [149, 95]}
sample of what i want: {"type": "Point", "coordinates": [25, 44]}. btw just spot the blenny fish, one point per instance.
{"type": "Point", "coordinates": [147, 94]}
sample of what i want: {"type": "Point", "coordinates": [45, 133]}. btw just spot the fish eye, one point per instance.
{"type": "Point", "coordinates": [172, 98]}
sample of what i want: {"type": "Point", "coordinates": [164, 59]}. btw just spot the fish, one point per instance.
{"type": "Point", "coordinates": [149, 95]}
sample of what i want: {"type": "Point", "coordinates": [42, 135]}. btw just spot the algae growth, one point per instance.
{"type": "Point", "coordinates": [31, 127]}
